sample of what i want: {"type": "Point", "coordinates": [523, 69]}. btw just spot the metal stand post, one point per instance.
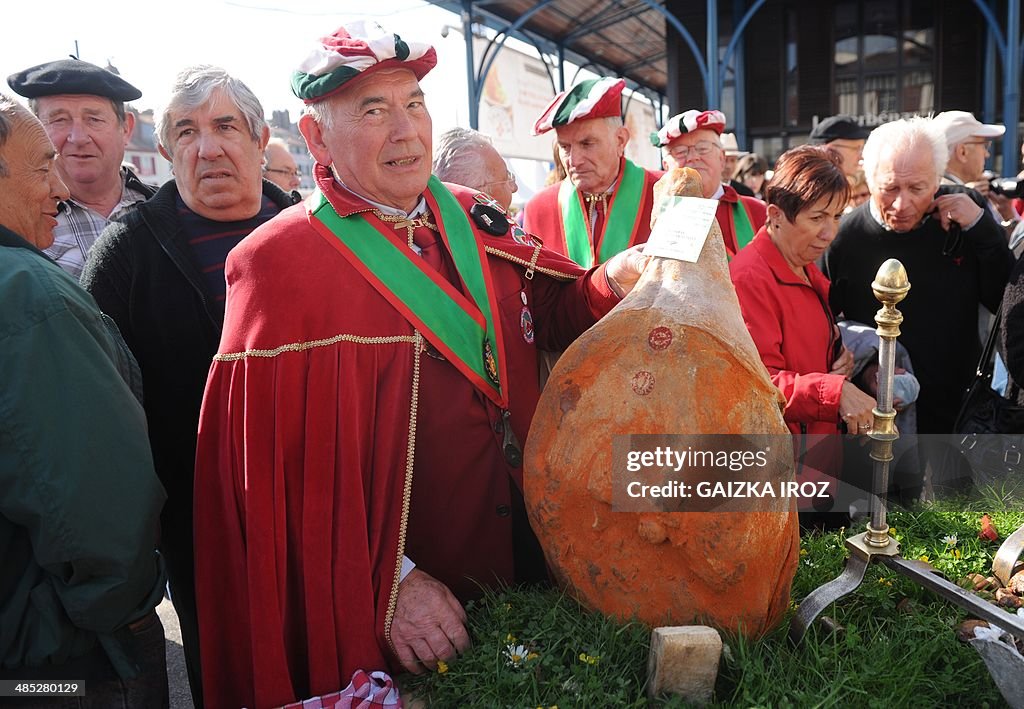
{"type": "Point", "coordinates": [876, 544]}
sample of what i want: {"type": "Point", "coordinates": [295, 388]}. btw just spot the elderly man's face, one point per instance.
{"type": "Point", "coordinates": [379, 140]}
{"type": "Point", "coordinates": [281, 168]}
{"type": "Point", "coordinates": [852, 153]}
{"type": "Point", "coordinates": [975, 150]}
{"type": "Point", "coordinates": [30, 187]}
{"type": "Point", "coordinates": [702, 151]}
{"type": "Point", "coordinates": [590, 151]}
{"type": "Point", "coordinates": [904, 186]}
{"type": "Point", "coordinates": [500, 182]}
{"type": "Point", "coordinates": [88, 137]}
{"type": "Point", "coordinates": [217, 164]}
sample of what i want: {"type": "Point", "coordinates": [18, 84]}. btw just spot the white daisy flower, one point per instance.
{"type": "Point", "coordinates": [515, 655]}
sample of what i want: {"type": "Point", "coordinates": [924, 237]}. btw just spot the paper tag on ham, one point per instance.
{"type": "Point", "coordinates": [681, 228]}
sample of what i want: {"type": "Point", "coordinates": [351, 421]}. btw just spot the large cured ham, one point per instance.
{"type": "Point", "coordinates": [673, 358]}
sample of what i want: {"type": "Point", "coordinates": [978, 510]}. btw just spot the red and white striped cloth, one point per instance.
{"type": "Point", "coordinates": [365, 691]}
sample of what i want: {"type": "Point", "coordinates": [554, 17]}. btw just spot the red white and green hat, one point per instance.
{"type": "Point", "coordinates": [687, 122]}
{"type": "Point", "coordinates": [593, 98]}
{"type": "Point", "coordinates": [357, 49]}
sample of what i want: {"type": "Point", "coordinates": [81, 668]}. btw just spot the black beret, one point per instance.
{"type": "Point", "coordinates": [838, 128]}
{"type": "Point", "coordinates": [71, 76]}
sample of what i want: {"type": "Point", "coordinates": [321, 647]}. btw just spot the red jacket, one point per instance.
{"type": "Point", "coordinates": [794, 331]}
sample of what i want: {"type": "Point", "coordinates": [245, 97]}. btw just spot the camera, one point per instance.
{"type": "Point", "coordinates": [1011, 187]}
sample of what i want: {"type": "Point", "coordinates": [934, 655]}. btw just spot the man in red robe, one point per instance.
{"type": "Point", "coordinates": [358, 474]}
{"type": "Point", "coordinates": [603, 206]}
{"type": "Point", "coordinates": [693, 139]}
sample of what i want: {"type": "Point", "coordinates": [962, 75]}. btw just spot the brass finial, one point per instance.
{"type": "Point", "coordinates": [891, 285]}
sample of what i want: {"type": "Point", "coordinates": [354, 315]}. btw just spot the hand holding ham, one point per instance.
{"type": "Point", "coordinates": [429, 623]}
{"type": "Point", "coordinates": [623, 269]}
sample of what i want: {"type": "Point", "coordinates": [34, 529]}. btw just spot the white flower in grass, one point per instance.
{"type": "Point", "coordinates": [950, 540]}
{"type": "Point", "coordinates": [515, 655]}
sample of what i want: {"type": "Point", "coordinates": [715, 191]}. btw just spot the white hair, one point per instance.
{"type": "Point", "coordinates": [904, 137]}
{"type": "Point", "coordinates": [458, 157]}
{"type": "Point", "coordinates": [320, 111]}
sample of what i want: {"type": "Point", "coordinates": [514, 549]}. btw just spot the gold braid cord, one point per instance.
{"type": "Point", "coordinates": [303, 346]}
{"type": "Point", "coordinates": [408, 224]}
{"type": "Point", "coordinates": [407, 489]}
{"type": "Point", "coordinates": [592, 201]}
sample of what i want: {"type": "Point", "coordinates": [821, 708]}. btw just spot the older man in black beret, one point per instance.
{"type": "Point", "coordinates": [81, 106]}
{"type": "Point", "coordinates": [845, 135]}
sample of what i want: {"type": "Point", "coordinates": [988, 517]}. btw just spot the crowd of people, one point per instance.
{"type": "Point", "coordinates": [306, 417]}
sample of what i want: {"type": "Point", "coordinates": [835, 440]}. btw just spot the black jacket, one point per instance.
{"type": "Point", "coordinates": [142, 275]}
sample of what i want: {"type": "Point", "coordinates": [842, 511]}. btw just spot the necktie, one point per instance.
{"type": "Point", "coordinates": [430, 248]}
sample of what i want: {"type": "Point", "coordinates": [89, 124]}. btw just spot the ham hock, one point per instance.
{"type": "Point", "coordinates": [674, 357]}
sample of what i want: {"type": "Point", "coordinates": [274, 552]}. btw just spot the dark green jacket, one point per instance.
{"type": "Point", "coordinates": [79, 500]}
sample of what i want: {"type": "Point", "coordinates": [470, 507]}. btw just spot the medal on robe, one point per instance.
{"type": "Point", "coordinates": [526, 322]}
{"type": "Point", "coordinates": [521, 237]}
{"type": "Point", "coordinates": [490, 365]}
{"type": "Point", "coordinates": [489, 201]}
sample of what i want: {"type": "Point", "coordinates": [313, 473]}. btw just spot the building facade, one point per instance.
{"type": "Point", "coordinates": [799, 62]}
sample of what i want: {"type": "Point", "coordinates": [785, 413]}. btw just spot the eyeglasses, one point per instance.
{"type": "Point", "coordinates": [291, 173]}
{"type": "Point", "coordinates": [510, 179]}
{"type": "Point", "coordinates": [986, 143]}
{"type": "Point", "coordinates": [700, 148]}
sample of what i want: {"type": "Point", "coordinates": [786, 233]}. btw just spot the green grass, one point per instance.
{"type": "Point", "coordinates": [885, 656]}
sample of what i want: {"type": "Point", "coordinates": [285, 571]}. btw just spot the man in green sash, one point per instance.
{"type": "Point", "coordinates": [693, 139]}
{"type": "Point", "coordinates": [603, 206]}
{"type": "Point", "coordinates": [359, 466]}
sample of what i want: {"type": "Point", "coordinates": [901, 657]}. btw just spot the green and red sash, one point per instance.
{"type": "Point", "coordinates": [466, 331]}
{"type": "Point", "coordinates": [620, 229]}
{"type": "Point", "coordinates": [742, 228]}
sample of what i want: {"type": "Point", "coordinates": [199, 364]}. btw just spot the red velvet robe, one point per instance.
{"type": "Point", "coordinates": [302, 459]}
{"type": "Point", "coordinates": [756, 210]}
{"type": "Point", "coordinates": [542, 215]}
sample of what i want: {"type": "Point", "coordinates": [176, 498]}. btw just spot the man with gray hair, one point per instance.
{"type": "Point", "coordinates": [280, 168]}
{"type": "Point", "coordinates": [954, 252]}
{"type": "Point", "coordinates": [82, 109]}
{"type": "Point", "coordinates": [466, 157]}
{"type": "Point", "coordinates": [160, 276]}
{"type": "Point", "coordinates": [603, 206]}
{"type": "Point", "coordinates": [79, 499]}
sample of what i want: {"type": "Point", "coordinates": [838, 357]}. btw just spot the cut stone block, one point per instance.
{"type": "Point", "coordinates": [684, 661]}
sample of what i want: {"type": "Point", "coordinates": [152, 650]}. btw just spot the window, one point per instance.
{"type": "Point", "coordinates": [884, 58]}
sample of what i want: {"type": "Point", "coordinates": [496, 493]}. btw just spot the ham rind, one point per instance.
{"type": "Point", "coordinates": [674, 357]}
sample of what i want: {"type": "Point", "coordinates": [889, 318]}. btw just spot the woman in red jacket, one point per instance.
{"type": "Point", "coordinates": [784, 300]}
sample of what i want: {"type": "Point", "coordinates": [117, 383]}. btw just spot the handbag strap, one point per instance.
{"type": "Point", "coordinates": [986, 364]}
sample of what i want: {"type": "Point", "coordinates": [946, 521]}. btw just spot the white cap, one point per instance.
{"type": "Point", "coordinates": [958, 126]}
{"type": "Point", "coordinates": [730, 145]}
